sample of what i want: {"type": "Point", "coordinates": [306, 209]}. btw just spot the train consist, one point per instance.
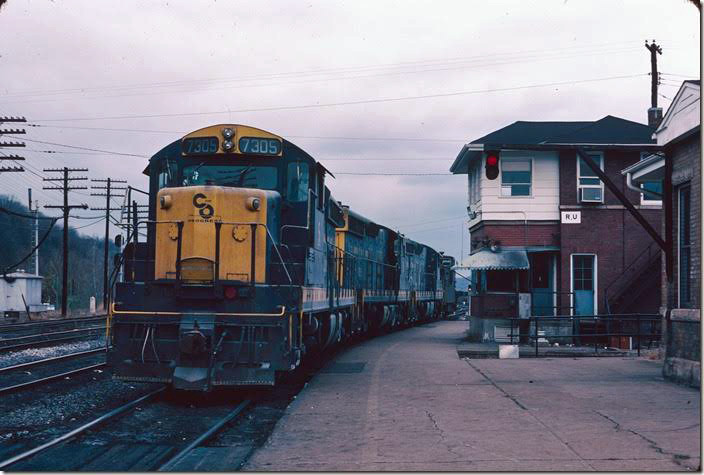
{"type": "Point", "coordinates": [250, 264]}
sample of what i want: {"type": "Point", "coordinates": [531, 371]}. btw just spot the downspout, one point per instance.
{"type": "Point", "coordinates": [630, 185]}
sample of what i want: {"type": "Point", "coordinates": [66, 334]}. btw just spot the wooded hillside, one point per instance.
{"type": "Point", "coordinates": [85, 256]}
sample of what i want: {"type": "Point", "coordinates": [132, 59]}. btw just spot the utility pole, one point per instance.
{"type": "Point", "coordinates": [108, 194]}
{"type": "Point", "coordinates": [66, 208]}
{"type": "Point", "coordinates": [654, 113]}
{"type": "Point", "coordinates": [35, 231]}
{"type": "Point", "coordinates": [13, 158]}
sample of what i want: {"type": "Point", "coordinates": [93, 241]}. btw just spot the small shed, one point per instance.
{"type": "Point", "coordinates": [18, 291]}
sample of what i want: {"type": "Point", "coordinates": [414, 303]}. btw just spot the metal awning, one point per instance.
{"type": "Point", "coordinates": [500, 260]}
{"type": "Point", "coordinates": [650, 169]}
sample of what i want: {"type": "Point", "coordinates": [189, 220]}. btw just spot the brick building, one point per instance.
{"type": "Point", "coordinates": [547, 237]}
{"type": "Point", "coordinates": [679, 172]}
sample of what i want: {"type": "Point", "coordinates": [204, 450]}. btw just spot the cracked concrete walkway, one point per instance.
{"type": "Point", "coordinates": [416, 406]}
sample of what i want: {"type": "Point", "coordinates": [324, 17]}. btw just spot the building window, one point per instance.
{"type": "Point", "coordinates": [655, 198]}
{"type": "Point", "coordinates": [684, 248]}
{"type": "Point", "coordinates": [473, 180]}
{"type": "Point", "coordinates": [590, 189]}
{"type": "Point", "coordinates": [516, 176]}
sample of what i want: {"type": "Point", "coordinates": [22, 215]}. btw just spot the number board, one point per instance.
{"type": "Point", "coordinates": [200, 146]}
{"type": "Point", "coordinates": [260, 146]}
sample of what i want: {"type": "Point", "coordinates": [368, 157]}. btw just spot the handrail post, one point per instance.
{"type": "Point", "coordinates": [218, 225]}
{"type": "Point", "coordinates": [638, 332]}
{"type": "Point", "coordinates": [179, 225]}
{"type": "Point", "coordinates": [596, 323]}
{"type": "Point", "coordinates": [134, 255]}
{"type": "Point", "coordinates": [253, 234]}
{"type": "Point", "coordinates": [536, 337]}
{"type": "Point", "coordinates": [511, 332]}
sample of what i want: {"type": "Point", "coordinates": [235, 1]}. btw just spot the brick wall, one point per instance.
{"type": "Point", "coordinates": [686, 169]}
{"type": "Point", "coordinates": [614, 162]}
{"type": "Point", "coordinates": [516, 233]}
{"type": "Point", "coordinates": [615, 237]}
{"type": "Point", "coordinates": [607, 230]}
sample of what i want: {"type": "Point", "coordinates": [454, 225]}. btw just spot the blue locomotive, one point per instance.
{"type": "Point", "coordinates": [250, 264]}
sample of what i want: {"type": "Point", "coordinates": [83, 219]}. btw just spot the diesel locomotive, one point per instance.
{"type": "Point", "coordinates": [249, 265]}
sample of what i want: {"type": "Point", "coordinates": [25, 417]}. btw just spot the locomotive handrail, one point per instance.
{"type": "Point", "coordinates": [217, 236]}
{"type": "Point", "coordinates": [362, 258]}
{"type": "Point", "coordinates": [268, 232]}
{"type": "Point", "coordinates": [217, 314]}
{"type": "Point", "coordinates": [308, 213]}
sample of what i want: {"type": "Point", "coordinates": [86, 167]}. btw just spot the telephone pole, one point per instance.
{"type": "Point", "coordinates": [35, 231]}
{"type": "Point", "coordinates": [66, 208]}
{"type": "Point", "coordinates": [108, 194]}
{"type": "Point", "coordinates": [13, 158]}
{"type": "Point", "coordinates": [654, 113]}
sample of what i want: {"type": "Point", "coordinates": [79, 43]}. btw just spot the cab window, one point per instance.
{"type": "Point", "coordinates": [167, 174]}
{"type": "Point", "coordinates": [297, 182]}
{"type": "Point", "coordinates": [238, 176]}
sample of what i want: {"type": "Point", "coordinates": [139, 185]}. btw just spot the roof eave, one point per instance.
{"type": "Point", "coordinates": [460, 165]}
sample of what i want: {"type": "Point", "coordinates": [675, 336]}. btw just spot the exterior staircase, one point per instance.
{"type": "Point", "coordinates": [640, 279]}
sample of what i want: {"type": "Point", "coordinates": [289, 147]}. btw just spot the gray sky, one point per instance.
{"type": "Point", "coordinates": [350, 82]}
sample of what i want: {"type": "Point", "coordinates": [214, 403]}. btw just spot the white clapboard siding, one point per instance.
{"type": "Point", "coordinates": [544, 204]}
{"type": "Point", "coordinates": [682, 116]}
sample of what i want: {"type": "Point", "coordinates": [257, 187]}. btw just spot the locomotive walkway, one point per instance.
{"type": "Point", "coordinates": [406, 402]}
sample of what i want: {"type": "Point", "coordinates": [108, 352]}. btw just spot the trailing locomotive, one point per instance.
{"type": "Point", "coordinates": [249, 264]}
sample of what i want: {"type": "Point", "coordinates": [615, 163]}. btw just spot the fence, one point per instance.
{"type": "Point", "coordinates": [597, 328]}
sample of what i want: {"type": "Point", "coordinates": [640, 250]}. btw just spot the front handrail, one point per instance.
{"type": "Point", "coordinates": [113, 310]}
{"type": "Point", "coordinates": [218, 225]}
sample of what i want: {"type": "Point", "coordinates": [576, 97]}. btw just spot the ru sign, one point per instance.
{"type": "Point", "coordinates": [571, 217]}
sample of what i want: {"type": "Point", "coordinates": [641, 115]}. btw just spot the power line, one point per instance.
{"type": "Point", "coordinates": [91, 224]}
{"type": "Point", "coordinates": [346, 103]}
{"type": "Point", "coordinates": [181, 133]}
{"type": "Point", "coordinates": [13, 158]}
{"type": "Point", "coordinates": [596, 48]}
{"type": "Point", "coordinates": [89, 149]}
{"type": "Point", "coordinates": [393, 174]}
{"type": "Point", "coordinates": [455, 66]}
{"type": "Point", "coordinates": [687, 76]}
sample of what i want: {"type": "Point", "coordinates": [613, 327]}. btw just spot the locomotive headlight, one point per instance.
{"type": "Point", "coordinates": [227, 145]}
{"type": "Point", "coordinates": [253, 203]}
{"type": "Point", "coordinates": [228, 133]}
{"type": "Point", "coordinates": [165, 201]}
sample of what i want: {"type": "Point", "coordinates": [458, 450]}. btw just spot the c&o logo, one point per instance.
{"type": "Point", "coordinates": [205, 210]}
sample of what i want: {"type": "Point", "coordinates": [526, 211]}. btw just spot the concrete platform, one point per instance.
{"type": "Point", "coordinates": [406, 402]}
{"type": "Point", "coordinates": [472, 350]}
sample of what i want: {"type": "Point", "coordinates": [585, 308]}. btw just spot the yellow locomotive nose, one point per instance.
{"type": "Point", "coordinates": [209, 233]}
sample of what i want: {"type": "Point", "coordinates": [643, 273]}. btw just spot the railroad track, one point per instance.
{"type": "Point", "coordinates": [43, 324]}
{"type": "Point", "coordinates": [170, 464]}
{"type": "Point", "coordinates": [44, 339]}
{"type": "Point", "coordinates": [7, 371]}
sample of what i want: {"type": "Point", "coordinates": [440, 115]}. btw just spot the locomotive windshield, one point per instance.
{"type": "Point", "coordinates": [238, 176]}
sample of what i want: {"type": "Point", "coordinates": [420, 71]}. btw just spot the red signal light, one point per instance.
{"type": "Point", "coordinates": [492, 165]}
{"type": "Point", "coordinates": [230, 292]}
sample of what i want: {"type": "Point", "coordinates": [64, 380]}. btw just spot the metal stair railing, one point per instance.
{"type": "Point", "coordinates": [633, 271]}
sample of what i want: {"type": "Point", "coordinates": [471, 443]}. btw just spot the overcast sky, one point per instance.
{"type": "Point", "coordinates": [351, 82]}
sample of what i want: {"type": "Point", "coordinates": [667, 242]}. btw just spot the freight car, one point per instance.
{"type": "Point", "coordinates": [250, 264]}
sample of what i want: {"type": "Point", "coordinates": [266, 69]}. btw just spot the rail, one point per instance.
{"type": "Point", "coordinates": [608, 322]}
{"type": "Point", "coordinates": [69, 435]}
